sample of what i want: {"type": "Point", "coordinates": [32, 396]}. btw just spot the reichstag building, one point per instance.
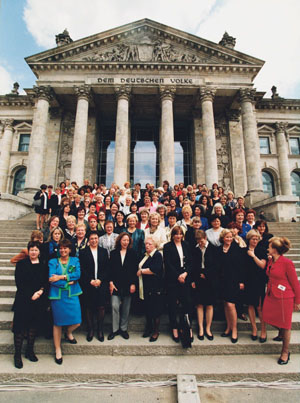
{"type": "Point", "coordinates": [146, 102]}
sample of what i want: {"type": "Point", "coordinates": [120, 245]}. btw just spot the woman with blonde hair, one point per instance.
{"type": "Point", "coordinates": [186, 221]}
{"type": "Point", "coordinates": [255, 281]}
{"type": "Point", "coordinates": [155, 231]}
{"type": "Point", "coordinates": [283, 293]}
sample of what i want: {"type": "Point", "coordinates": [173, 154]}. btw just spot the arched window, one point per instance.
{"type": "Point", "coordinates": [295, 181]}
{"type": "Point", "coordinates": [19, 181]}
{"type": "Point", "coordinates": [268, 183]}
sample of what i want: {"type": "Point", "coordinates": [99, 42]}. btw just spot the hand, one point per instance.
{"type": "Point", "coordinates": [71, 282]}
{"type": "Point", "coordinates": [242, 286]}
{"type": "Point", "coordinates": [55, 277]}
{"type": "Point", "coordinates": [139, 272]}
{"type": "Point", "coordinates": [202, 276]}
{"type": "Point", "coordinates": [251, 253]}
{"type": "Point", "coordinates": [182, 277]}
{"type": "Point", "coordinates": [36, 295]}
{"type": "Point", "coordinates": [297, 307]}
{"type": "Point", "coordinates": [112, 288]}
{"type": "Point", "coordinates": [193, 285]}
{"type": "Point", "coordinates": [132, 288]}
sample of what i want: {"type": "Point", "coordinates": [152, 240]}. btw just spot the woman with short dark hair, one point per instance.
{"type": "Point", "coordinates": [41, 206]}
{"type": "Point", "coordinates": [123, 265]}
{"type": "Point", "coordinates": [31, 281]}
{"type": "Point", "coordinates": [64, 273]}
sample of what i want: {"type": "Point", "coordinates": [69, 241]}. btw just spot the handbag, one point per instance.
{"type": "Point", "coordinates": [37, 203]}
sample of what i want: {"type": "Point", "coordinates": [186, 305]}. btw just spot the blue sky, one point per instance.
{"type": "Point", "coordinates": [267, 29]}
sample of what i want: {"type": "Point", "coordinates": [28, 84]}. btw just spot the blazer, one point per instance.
{"type": "Point", "coordinates": [73, 274]}
{"type": "Point", "coordinates": [283, 273]}
{"type": "Point", "coordinates": [87, 266]}
{"type": "Point", "coordinates": [123, 275]}
{"type": "Point", "coordinates": [210, 265]}
{"type": "Point", "coordinates": [155, 264]}
{"type": "Point", "coordinates": [172, 262]}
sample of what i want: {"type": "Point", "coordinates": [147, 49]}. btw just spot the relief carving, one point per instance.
{"type": "Point", "coordinates": [223, 155]}
{"type": "Point", "coordinates": [67, 133]}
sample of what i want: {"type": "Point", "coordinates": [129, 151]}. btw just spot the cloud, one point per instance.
{"type": "Point", "coordinates": [266, 29]}
{"type": "Point", "coordinates": [6, 81]}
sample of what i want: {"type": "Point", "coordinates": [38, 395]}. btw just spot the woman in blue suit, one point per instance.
{"type": "Point", "coordinates": [64, 273]}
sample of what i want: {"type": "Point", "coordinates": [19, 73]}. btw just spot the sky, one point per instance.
{"type": "Point", "coordinates": [266, 29]}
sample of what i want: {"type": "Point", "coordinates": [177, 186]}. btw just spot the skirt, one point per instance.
{"type": "Point", "coordinates": [66, 311]}
{"type": "Point", "coordinates": [278, 312]}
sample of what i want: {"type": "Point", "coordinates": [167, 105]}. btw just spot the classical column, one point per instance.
{"type": "Point", "coordinates": [283, 161]}
{"type": "Point", "coordinates": [197, 147]}
{"type": "Point", "coordinates": [238, 166]}
{"type": "Point", "coordinates": [5, 152]}
{"type": "Point", "coordinates": [38, 140]}
{"type": "Point", "coordinates": [209, 137]}
{"type": "Point", "coordinates": [80, 134]}
{"type": "Point", "coordinates": [122, 139]}
{"type": "Point", "coordinates": [166, 136]}
{"type": "Point", "coordinates": [251, 142]}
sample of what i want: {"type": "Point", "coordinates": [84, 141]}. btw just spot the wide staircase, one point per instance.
{"type": "Point", "coordinates": [137, 359]}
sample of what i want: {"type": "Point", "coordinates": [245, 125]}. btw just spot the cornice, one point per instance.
{"type": "Point", "coordinates": [20, 100]}
{"type": "Point", "coordinates": [281, 103]}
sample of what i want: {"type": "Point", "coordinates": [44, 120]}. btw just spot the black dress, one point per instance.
{"type": "Point", "coordinates": [153, 285]}
{"type": "Point", "coordinates": [205, 292]}
{"type": "Point", "coordinates": [29, 279]}
{"type": "Point", "coordinates": [43, 197]}
{"type": "Point", "coordinates": [93, 297]}
{"type": "Point", "coordinates": [231, 272]}
{"type": "Point", "coordinates": [256, 278]}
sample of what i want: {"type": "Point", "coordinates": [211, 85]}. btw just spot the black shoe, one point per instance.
{"type": "Point", "coordinates": [31, 356]}
{"type": "Point", "coordinates": [254, 337]}
{"type": "Point", "coordinates": [225, 334]}
{"type": "Point", "coordinates": [124, 334]}
{"type": "Point", "coordinates": [209, 337]}
{"type": "Point", "coordinates": [234, 340]}
{"type": "Point", "coordinates": [282, 362]}
{"type": "Point", "coordinates": [71, 341]}
{"type": "Point", "coordinates": [278, 338]}
{"type": "Point", "coordinates": [176, 339]}
{"type": "Point", "coordinates": [89, 336]}
{"type": "Point", "coordinates": [147, 333]}
{"type": "Point", "coordinates": [153, 339]}
{"type": "Point", "coordinates": [192, 339]}
{"type": "Point", "coordinates": [58, 360]}
{"type": "Point", "coordinates": [112, 335]}
{"type": "Point", "coordinates": [243, 317]}
{"type": "Point", "coordinates": [262, 339]}
{"type": "Point", "coordinates": [200, 337]}
{"type": "Point", "coordinates": [100, 336]}
{"type": "Point", "coordinates": [18, 361]}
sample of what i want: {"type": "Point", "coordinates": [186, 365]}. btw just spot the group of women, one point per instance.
{"type": "Point", "coordinates": [175, 249]}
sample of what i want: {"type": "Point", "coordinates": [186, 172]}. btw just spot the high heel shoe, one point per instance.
{"type": "Point", "coordinates": [254, 337]}
{"type": "Point", "coordinates": [234, 339]}
{"type": "Point", "coordinates": [58, 360]}
{"type": "Point", "coordinates": [71, 341]}
{"type": "Point", "coordinates": [175, 338]}
{"type": "Point", "coordinates": [225, 334]}
{"type": "Point", "coordinates": [18, 361]}
{"type": "Point", "coordinates": [278, 338]}
{"type": "Point", "coordinates": [263, 339]}
{"type": "Point", "coordinates": [282, 362]}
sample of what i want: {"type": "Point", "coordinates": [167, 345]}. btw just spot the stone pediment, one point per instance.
{"type": "Point", "coordinates": [144, 41]}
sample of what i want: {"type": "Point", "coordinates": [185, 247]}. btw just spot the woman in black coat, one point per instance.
{"type": "Point", "coordinates": [177, 270]}
{"type": "Point", "coordinates": [93, 281]}
{"type": "Point", "coordinates": [150, 275]}
{"type": "Point", "coordinates": [255, 281]}
{"type": "Point", "coordinates": [232, 279]}
{"type": "Point", "coordinates": [204, 282]}
{"type": "Point", "coordinates": [123, 265]}
{"type": "Point", "coordinates": [41, 206]}
{"type": "Point", "coordinates": [31, 277]}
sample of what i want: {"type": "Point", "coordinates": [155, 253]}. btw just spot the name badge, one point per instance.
{"type": "Point", "coordinates": [281, 287]}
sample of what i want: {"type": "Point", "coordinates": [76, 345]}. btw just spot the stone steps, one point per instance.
{"type": "Point", "coordinates": [78, 368]}
{"type": "Point", "coordinates": [138, 346]}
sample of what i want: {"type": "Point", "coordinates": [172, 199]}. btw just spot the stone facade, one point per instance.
{"type": "Point", "coordinates": [148, 82]}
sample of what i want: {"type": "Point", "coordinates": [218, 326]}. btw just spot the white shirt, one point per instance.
{"type": "Point", "coordinates": [95, 256]}
{"type": "Point", "coordinates": [180, 253]}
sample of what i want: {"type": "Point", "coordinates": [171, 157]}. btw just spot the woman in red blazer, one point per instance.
{"type": "Point", "coordinates": [283, 293]}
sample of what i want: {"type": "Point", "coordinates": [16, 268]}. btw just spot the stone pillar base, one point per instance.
{"type": "Point", "coordinates": [254, 196]}
{"type": "Point", "coordinates": [14, 207]}
{"type": "Point", "coordinates": [28, 194]}
{"type": "Point", "coordinates": [278, 208]}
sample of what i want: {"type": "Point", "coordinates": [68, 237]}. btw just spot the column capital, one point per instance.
{"type": "Point", "coordinates": [43, 92]}
{"type": "Point", "coordinates": [246, 94]}
{"type": "Point", "coordinates": [281, 127]}
{"type": "Point", "coordinates": [7, 124]}
{"type": "Point", "coordinates": [123, 92]}
{"type": "Point", "coordinates": [207, 93]}
{"type": "Point", "coordinates": [233, 115]}
{"type": "Point", "coordinates": [82, 91]}
{"type": "Point", "coordinates": [167, 92]}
